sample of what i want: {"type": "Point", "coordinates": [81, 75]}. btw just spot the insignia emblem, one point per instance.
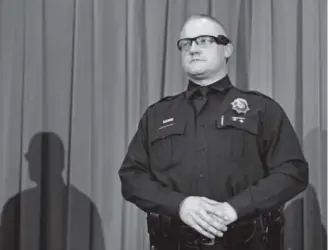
{"type": "Point", "coordinates": [240, 105]}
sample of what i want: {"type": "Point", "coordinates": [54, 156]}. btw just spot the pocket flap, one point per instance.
{"type": "Point", "coordinates": [249, 124]}
{"type": "Point", "coordinates": [165, 130]}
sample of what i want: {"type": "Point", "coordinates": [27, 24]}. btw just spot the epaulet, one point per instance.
{"type": "Point", "coordinates": [166, 98]}
{"type": "Point", "coordinates": [254, 92]}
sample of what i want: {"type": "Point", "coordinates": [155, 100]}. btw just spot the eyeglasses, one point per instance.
{"type": "Point", "coordinates": [202, 41]}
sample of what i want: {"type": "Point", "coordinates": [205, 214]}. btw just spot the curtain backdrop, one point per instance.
{"type": "Point", "coordinates": [86, 70]}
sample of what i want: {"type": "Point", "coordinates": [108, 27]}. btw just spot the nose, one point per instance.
{"type": "Point", "coordinates": [194, 47]}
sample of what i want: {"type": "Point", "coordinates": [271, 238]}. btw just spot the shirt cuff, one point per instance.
{"type": "Point", "coordinates": [175, 203]}
{"type": "Point", "coordinates": [241, 206]}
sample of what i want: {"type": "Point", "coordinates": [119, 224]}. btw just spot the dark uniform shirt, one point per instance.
{"type": "Point", "coordinates": [190, 144]}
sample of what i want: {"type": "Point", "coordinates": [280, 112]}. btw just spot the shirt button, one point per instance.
{"type": "Point", "coordinates": [201, 175]}
{"type": "Point", "coordinates": [203, 149]}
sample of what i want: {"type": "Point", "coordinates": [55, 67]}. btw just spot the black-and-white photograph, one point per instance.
{"type": "Point", "coordinates": [163, 125]}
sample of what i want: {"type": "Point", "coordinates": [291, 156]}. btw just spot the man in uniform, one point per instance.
{"type": "Point", "coordinates": [213, 164]}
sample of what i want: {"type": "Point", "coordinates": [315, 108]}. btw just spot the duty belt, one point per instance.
{"type": "Point", "coordinates": [161, 227]}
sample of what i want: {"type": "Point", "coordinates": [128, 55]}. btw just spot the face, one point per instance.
{"type": "Point", "coordinates": [203, 62]}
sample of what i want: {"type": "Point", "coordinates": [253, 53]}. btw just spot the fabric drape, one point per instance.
{"type": "Point", "coordinates": [86, 70]}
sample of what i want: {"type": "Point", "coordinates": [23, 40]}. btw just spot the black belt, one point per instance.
{"type": "Point", "coordinates": [240, 233]}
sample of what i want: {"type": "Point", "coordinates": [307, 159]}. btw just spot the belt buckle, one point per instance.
{"type": "Point", "coordinates": [207, 241]}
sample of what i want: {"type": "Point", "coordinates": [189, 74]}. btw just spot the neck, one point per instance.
{"type": "Point", "coordinates": [210, 80]}
{"type": "Point", "coordinates": [53, 182]}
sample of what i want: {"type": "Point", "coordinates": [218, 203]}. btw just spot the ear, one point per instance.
{"type": "Point", "coordinates": [228, 50]}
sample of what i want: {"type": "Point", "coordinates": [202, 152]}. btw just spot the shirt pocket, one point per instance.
{"type": "Point", "coordinates": [237, 137]}
{"type": "Point", "coordinates": [167, 147]}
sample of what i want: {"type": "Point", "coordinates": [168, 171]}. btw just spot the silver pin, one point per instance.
{"type": "Point", "coordinates": [239, 119]}
{"type": "Point", "coordinates": [222, 120]}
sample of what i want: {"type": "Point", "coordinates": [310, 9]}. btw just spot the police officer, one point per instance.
{"type": "Point", "coordinates": [214, 155]}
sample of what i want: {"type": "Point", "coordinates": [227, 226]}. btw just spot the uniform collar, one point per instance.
{"type": "Point", "coordinates": [220, 85]}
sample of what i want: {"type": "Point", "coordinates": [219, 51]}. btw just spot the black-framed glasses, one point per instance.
{"type": "Point", "coordinates": [202, 41]}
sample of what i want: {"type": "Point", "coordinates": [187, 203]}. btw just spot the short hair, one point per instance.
{"type": "Point", "coordinates": [206, 16]}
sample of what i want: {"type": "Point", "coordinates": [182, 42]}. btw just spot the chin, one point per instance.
{"type": "Point", "coordinates": [196, 70]}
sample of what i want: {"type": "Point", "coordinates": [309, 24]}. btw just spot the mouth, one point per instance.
{"type": "Point", "coordinates": [196, 60]}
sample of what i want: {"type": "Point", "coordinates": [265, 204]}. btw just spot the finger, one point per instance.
{"type": "Point", "coordinates": [206, 226]}
{"type": "Point", "coordinates": [218, 219]}
{"type": "Point", "coordinates": [216, 211]}
{"type": "Point", "coordinates": [213, 207]}
{"type": "Point", "coordinates": [219, 226]}
{"type": "Point", "coordinates": [202, 231]}
{"type": "Point", "coordinates": [209, 201]}
{"type": "Point", "coordinates": [205, 216]}
{"type": "Point", "coordinates": [211, 221]}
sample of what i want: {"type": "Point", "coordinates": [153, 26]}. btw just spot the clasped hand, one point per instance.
{"type": "Point", "coordinates": [208, 217]}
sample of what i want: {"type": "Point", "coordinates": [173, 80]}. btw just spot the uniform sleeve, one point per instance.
{"type": "Point", "coordinates": [138, 184]}
{"type": "Point", "coordinates": [287, 169]}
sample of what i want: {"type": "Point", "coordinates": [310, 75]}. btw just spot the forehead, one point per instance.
{"type": "Point", "coordinates": [201, 26]}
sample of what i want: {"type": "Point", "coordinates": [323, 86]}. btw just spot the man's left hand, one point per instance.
{"type": "Point", "coordinates": [217, 209]}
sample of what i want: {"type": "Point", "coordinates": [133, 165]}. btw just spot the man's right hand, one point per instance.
{"type": "Point", "coordinates": [193, 212]}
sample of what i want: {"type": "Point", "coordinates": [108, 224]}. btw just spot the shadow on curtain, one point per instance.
{"type": "Point", "coordinates": [54, 215]}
